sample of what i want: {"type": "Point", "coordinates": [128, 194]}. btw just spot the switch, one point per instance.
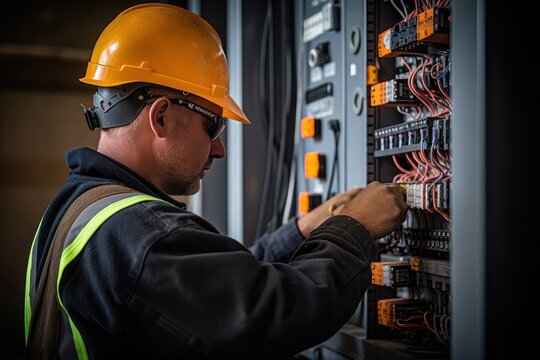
{"type": "Point", "coordinates": [319, 55]}
{"type": "Point", "coordinates": [314, 165]}
{"type": "Point", "coordinates": [308, 201]}
{"type": "Point", "coordinates": [311, 127]}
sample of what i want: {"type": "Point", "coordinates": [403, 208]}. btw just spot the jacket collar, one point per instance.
{"type": "Point", "coordinates": [86, 163]}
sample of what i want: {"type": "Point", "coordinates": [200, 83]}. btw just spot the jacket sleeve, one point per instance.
{"type": "Point", "coordinates": [202, 295]}
{"type": "Point", "coordinates": [278, 245]}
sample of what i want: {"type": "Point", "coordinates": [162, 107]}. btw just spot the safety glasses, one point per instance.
{"type": "Point", "coordinates": [216, 124]}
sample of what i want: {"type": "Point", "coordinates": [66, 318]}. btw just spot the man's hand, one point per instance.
{"type": "Point", "coordinates": [332, 206]}
{"type": "Point", "coordinates": [380, 208]}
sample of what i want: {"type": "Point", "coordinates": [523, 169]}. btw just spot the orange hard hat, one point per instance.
{"type": "Point", "coordinates": [164, 45]}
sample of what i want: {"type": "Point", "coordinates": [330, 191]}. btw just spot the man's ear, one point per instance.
{"type": "Point", "coordinates": [156, 116]}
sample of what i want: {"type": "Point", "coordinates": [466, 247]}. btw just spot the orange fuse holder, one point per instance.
{"type": "Point", "coordinates": [372, 76]}
{"type": "Point", "coordinates": [308, 201]}
{"type": "Point", "coordinates": [311, 127]}
{"type": "Point", "coordinates": [314, 165]}
{"type": "Point", "coordinates": [384, 43]}
{"type": "Point", "coordinates": [433, 26]}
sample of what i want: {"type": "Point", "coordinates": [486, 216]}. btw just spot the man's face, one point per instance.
{"type": "Point", "coordinates": [188, 153]}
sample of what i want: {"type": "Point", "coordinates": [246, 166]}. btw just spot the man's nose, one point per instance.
{"type": "Point", "coordinates": [218, 149]}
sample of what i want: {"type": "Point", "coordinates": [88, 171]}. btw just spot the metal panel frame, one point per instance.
{"type": "Point", "coordinates": [196, 200]}
{"type": "Point", "coordinates": [235, 175]}
{"type": "Point", "coordinates": [468, 197]}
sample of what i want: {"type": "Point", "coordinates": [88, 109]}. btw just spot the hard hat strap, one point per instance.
{"type": "Point", "coordinates": [116, 106]}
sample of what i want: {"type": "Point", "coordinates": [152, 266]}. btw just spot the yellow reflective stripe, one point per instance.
{"type": "Point", "coordinates": [75, 248]}
{"type": "Point", "coordinates": [27, 304]}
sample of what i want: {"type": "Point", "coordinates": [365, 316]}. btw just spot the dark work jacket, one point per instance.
{"type": "Point", "coordinates": [157, 281]}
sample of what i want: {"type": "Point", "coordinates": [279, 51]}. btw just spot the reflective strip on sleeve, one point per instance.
{"type": "Point", "coordinates": [27, 304]}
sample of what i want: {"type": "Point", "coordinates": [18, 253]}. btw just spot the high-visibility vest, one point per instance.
{"type": "Point", "coordinates": [85, 225]}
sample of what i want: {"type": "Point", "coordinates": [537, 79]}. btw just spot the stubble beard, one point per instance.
{"type": "Point", "coordinates": [174, 179]}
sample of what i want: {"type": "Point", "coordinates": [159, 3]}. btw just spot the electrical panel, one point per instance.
{"type": "Point", "coordinates": [375, 105]}
{"type": "Point", "coordinates": [331, 93]}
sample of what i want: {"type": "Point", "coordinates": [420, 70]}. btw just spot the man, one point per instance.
{"type": "Point", "coordinates": [139, 276]}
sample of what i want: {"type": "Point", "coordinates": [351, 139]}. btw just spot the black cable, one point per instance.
{"type": "Point", "coordinates": [334, 126]}
{"type": "Point", "coordinates": [262, 75]}
{"type": "Point", "coordinates": [289, 75]}
{"type": "Point", "coordinates": [297, 146]}
{"type": "Point", "coordinates": [269, 149]}
{"type": "Point", "coordinates": [283, 130]}
{"type": "Point", "coordinates": [284, 190]}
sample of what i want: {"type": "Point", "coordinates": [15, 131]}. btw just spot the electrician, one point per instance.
{"type": "Point", "coordinates": [136, 275]}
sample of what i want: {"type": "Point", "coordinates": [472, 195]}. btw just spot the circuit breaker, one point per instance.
{"type": "Point", "coordinates": [376, 105]}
